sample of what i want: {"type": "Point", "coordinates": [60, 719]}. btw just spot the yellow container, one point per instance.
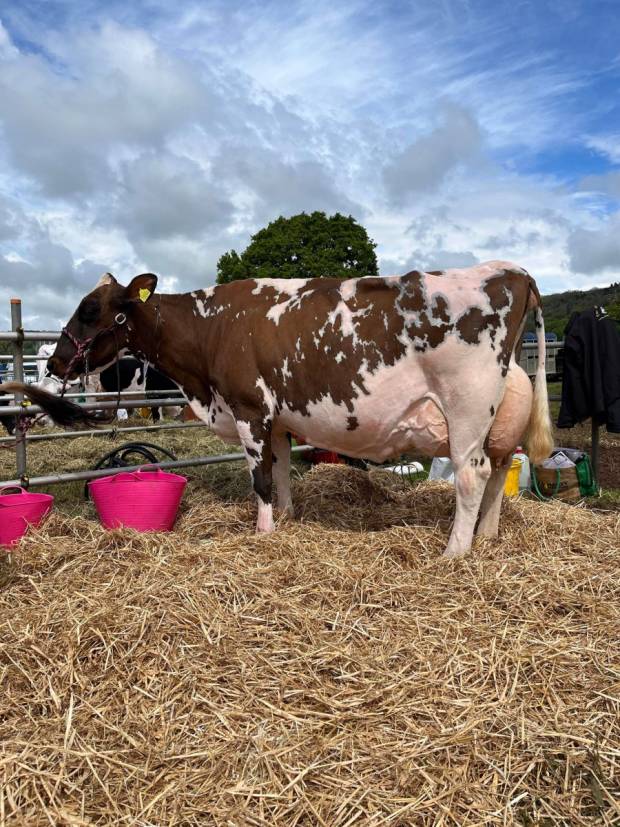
{"type": "Point", "coordinates": [511, 486]}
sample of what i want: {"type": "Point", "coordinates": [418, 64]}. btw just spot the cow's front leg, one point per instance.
{"type": "Point", "coordinates": [281, 446]}
{"type": "Point", "coordinates": [255, 437]}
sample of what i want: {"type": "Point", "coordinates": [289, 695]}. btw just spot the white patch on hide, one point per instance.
{"type": "Point", "coordinates": [290, 287]}
{"type": "Point", "coordinates": [286, 373]}
{"type": "Point", "coordinates": [254, 445]}
{"type": "Point", "coordinates": [348, 289]}
{"type": "Point", "coordinates": [347, 325]}
{"type": "Point", "coordinates": [267, 397]}
{"type": "Point", "coordinates": [217, 416]}
{"type": "Point", "coordinates": [274, 312]}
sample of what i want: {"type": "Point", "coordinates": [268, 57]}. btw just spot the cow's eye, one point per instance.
{"type": "Point", "coordinates": [89, 311]}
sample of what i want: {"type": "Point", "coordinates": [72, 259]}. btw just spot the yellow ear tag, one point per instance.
{"type": "Point", "coordinates": [144, 293]}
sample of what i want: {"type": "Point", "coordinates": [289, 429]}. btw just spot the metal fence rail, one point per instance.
{"type": "Point", "coordinates": [166, 426]}
{"type": "Point", "coordinates": [55, 479]}
{"type": "Point", "coordinates": [106, 405]}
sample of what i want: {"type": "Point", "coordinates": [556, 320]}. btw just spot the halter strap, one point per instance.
{"type": "Point", "coordinates": [83, 346]}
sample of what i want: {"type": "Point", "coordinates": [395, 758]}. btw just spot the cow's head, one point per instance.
{"type": "Point", "coordinates": [100, 326]}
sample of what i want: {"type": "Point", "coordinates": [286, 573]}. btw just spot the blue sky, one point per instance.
{"type": "Point", "coordinates": [156, 136]}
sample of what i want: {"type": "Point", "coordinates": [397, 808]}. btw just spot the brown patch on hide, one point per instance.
{"type": "Point", "coordinates": [508, 293]}
{"type": "Point", "coordinates": [352, 423]}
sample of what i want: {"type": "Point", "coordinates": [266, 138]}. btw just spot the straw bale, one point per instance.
{"type": "Point", "coordinates": [337, 672]}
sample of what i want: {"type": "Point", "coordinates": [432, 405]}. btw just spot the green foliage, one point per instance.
{"type": "Point", "coordinates": [30, 348]}
{"type": "Point", "coordinates": [613, 308]}
{"type": "Point", "coordinates": [303, 246]}
{"type": "Point", "coordinates": [558, 307]}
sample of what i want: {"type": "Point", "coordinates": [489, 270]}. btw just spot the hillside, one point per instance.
{"type": "Point", "coordinates": [559, 306]}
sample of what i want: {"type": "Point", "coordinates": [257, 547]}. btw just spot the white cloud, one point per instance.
{"type": "Point", "coordinates": [162, 195]}
{"type": "Point", "coordinates": [7, 49]}
{"type": "Point", "coordinates": [607, 183]}
{"type": "Point", "coordinates": [596, 251]}
{"type": "Point", "coordinates": [162, 141]}
{"type": "Point", "coordinates": [423, 165]}
{"type": "Point", "coordinates": [606, 145]}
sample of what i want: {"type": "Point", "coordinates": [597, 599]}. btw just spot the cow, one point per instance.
{"type": "Point", "coordinates": [368, 367]}
{"type": "Point", "coordinates": [132, 375]}
{"type": "Point", "coordinates": [48, 382]}
{"type": "Point", "coordinates": [43, 354]}
{"type": "Point", "coordinates": [7, 420]}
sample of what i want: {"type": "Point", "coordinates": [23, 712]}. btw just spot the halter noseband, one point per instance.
{"type": "Point", "coordinates": [83, 346]}
{"type": "Point", "coordinates": [82, 349]}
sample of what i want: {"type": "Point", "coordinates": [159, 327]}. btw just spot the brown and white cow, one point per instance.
{"type": "Point", "coordinates": [369, 367]}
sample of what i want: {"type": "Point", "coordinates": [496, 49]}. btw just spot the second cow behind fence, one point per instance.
{"type": "Point", "coordinates": [131, 375]}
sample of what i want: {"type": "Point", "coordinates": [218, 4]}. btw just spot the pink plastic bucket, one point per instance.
{"type": "Point", "coordinates": [147, 500]}
{"type": "Point", "coordinates": [18, 511]}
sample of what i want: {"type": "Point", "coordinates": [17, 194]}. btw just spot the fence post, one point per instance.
{"type": "Point", "coordinates": [18, 376]}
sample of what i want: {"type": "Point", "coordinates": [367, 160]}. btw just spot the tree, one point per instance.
{"type": "Point", "coordinates": [303, 246]}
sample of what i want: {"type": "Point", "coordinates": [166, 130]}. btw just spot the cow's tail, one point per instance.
{"type": "Point", "coordinates": [539, 439]}
{"type": "Point", "coordinates": [62, 411]}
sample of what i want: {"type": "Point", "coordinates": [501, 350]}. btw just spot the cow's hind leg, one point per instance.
{"type": "Point", "coordinates": [281, 447]}
{"type": "Point", "coordinates": [472, 471]}
{"type": "Point", "coordinates": [255, 437]}
{"type": "Point", "coordinates": [492, 499]}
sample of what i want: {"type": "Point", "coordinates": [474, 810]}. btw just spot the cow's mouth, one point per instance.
{"type": "Point", "coordinates": [53, 379]}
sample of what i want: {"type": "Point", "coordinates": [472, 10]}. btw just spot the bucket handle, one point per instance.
{"type": "Point", "coordinates": [6, 488]}
{"type": "Point", "coordinates": [537, 490]}
{"type": "Point", "coordinates": [135, 474]}
{"type": "Point", "coordinates": [150, 468]}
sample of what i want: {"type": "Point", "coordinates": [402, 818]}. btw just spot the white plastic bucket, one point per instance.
{"type": "Point", "coordinates": [441, 469]}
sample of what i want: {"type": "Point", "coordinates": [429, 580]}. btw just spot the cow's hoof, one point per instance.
{"type": "Point", "coordinates": [490, 534]}
{"type": "Point", "coordinates": [453, 554]}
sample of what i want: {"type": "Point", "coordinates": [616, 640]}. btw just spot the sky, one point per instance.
{"type": "Point", "coordinates": [155, 136]}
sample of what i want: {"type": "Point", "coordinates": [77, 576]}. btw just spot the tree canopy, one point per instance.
{"type": "Point", "coordinates": [303, 246]}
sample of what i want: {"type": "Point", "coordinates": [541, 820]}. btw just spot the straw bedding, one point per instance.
{"type": "Point", "coordinates": [335, 673]}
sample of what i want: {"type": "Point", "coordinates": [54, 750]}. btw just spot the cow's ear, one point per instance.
{"type": "Point", "coordinates": [141, 288]}
{"type": "Point", "coordinates": [106, 278]}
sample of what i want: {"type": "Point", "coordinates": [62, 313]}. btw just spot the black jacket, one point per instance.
{"type": "Point", "coordinates": [591, 378]}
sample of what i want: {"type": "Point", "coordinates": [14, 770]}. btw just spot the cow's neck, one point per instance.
{"type": "Point", "coordinates": [159, 331]}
